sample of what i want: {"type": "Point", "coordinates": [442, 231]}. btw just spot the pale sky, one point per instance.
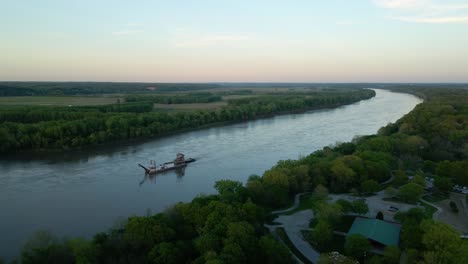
{"type": "Point", "coordinates": [234, 41]}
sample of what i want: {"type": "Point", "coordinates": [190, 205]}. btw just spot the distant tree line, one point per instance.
{"type": "Point", "coordinates": [93, 88]}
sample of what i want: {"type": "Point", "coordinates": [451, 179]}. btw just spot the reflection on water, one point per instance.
{"type": "Point", "coordinates": [151, 178]}
{"type": "Point", "coordinates": [79, 193]}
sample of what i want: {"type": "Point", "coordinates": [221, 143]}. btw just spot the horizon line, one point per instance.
{"type": "Point", "coordinates": [237, 82]}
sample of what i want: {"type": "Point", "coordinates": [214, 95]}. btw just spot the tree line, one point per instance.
{"type": "Point", "coordinates": [93, 88]}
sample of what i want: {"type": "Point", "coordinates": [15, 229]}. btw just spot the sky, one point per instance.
{"type": "Point", "coordinates": [234, 41]}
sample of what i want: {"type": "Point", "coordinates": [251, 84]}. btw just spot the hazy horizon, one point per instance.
{"type": "Point", "coordinates": [365, 41]}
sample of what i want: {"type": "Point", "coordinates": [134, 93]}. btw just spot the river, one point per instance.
{"type": "Point", "coordinates": [83, 192]}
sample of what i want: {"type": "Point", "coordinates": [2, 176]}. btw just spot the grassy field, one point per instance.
{"type": "Point", "coordinates": [56, 100]}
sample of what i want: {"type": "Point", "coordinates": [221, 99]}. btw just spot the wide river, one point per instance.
{"type": "Point", "coordinates": [84, 192]}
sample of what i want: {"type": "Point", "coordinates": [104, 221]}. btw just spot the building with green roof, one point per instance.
{"type": "Point", "coordinates": [377, 231]}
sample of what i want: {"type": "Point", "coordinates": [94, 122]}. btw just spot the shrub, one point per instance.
{"type": "Point", "coordinates": [453, 206]}
{"type": "Point", "coordinates": [379, 215]}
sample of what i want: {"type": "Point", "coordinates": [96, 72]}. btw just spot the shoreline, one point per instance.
{"type": "Point", "coordinates": [36, 154]}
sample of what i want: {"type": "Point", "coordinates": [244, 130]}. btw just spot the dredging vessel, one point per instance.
{"type": "Point", "coordinates": [178, 162]}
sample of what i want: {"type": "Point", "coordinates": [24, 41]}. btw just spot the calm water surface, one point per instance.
{"type": "Point", "coordinates": [81, 193]}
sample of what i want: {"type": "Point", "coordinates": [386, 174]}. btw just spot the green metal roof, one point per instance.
{"type": "Point", "coordinates": [383, 232]}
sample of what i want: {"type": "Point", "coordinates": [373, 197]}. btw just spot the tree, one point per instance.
{"type": "Point", "coordinates": [360, 207]}
{"type": "Point", "coordinates": [443, 243]}
{"type": "Point", "coordinates": [391, 191]}
{"type": "Point", "coordinates": [274, 252]}
{"type": "Point", "coordinates": [419, 179]}
{"type": "Point", "coordinates": [277, 177]}
{"type": "Point", "coordinates": [322, 235]}
{"type": "Point", "coordinates": [346, 205]}
{"type": "Point", "coordinates": [415, 214]}
{"type": "Point", "coordinates": [410, 192]}
{"type": "Point", "coordinates": [411, 235]}
{"type": "Point", "coordinates": [341, 176]}
{"type": "Point", "coordinates": [369, 186]}
{"type": "Point", "coordinates": [444, 184]}
{"type": "Point", "coordinates": [400, 178]}
{"type": "Point", "coordinates": [374, 260]}
{"type": "Point", "coordinates": [83, 250]}
{"type": "Point", "coordinates": [231, 191]}
{"type": "Point", "coordinates": [45, 248]}
{"type": "Point", "coordinates": [321, 192]}
{"type": "Point", "coordinates": [165, 253]}
{"type": "Point", "coordinates": [392, 255]}
{"type": "Point", "coordinates": [379, 215]}
{"type": "Point", "coordinates": [356, 246]}
{"type": "Point", "coordinates": [330, 213]}
{"type": "Point", "coordinates": [453, 206]}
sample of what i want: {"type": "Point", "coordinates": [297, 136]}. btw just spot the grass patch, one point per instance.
{"type": "Point", "coordinates": [282, 234]}
{"type": "Point", "coordinates": [428, 209]}
{"type": "Point", "coordinates": [57, 100]}
{"type": "Point", "coordinates": [435, 197]}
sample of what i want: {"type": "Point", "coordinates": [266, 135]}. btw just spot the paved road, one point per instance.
{"type": "Point", "coordinates": [297, 200]}
{"type": "Point", "coordinates": [293, 224]}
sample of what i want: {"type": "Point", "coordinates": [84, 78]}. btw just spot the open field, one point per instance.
{"type": "Point", "coordinates": [56, 100]}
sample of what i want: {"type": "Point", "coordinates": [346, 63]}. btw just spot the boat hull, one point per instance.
{"type": "Point", "coordinates": [167, 166]}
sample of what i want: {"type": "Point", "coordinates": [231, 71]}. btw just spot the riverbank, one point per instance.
{"type": "Point", "coordinates": [122, 125]}
{"type": "Point", "coordinates": [40, 153]}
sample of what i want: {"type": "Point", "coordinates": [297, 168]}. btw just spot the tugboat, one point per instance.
{"type": "Point", "coordinates": [178, 162]}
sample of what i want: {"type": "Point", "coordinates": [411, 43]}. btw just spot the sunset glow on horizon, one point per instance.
{"type": "Point", "coordinates": [235, 41]}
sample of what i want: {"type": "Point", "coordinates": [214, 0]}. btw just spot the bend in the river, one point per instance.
{"type": "Point", "coordinates": [87, 192]}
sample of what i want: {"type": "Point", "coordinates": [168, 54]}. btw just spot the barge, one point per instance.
{"type": "Point", "coordinates": [179, 162]}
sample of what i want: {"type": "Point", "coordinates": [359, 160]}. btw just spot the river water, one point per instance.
{"type": "Point", "coordinates": [84, 192]}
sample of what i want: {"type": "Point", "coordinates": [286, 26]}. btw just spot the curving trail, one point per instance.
{"type": "Point", "coordinates": [293, 225]}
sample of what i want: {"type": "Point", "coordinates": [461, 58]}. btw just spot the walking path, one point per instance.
{"type": "Point", "coordinates": [439, 211]}
{"type": "Point", "coordinates": [293, 225]}
{"type": "Point", "coordinates": [297, 202]}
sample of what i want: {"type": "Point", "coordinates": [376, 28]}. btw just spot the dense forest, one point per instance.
{"type": "Point", "coordinates": [59, 128]}
{"type": "Point", "coordinates": [228, 227]}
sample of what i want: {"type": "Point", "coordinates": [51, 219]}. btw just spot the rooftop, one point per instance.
{"type": "Point", "coordinates": [377, 230]}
